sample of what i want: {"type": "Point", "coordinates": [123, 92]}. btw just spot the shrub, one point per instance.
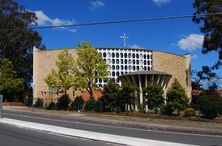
{"type": "Point", "coordinates": [39, 103]}
{"type": "Point", "coordinates": [210, 104]}
{"type": "Point", "coordinates": [90, 105]}
{"type": "Point", "coordinates": [166, 110]}
{"type": "Point", "coordinates": [140, 108]}
{"type": "Point", "coordinates": [28, 101]}
{"type": "Point", "coordinates": [194, 103]}
{"type": "Point", "coordinates": [189, 112]}
{"type": "Point", "coordinates": [77, 104]}
{"type": "Point", "coordinates": [176, 97]}
{"type": "Point", "coordinates": [51, 106]}
{"type": "Point", "coordinates": [63, 102]}
{"type": "Point", "coordinates": [154, 95]}
{"type": "Point", "coordinates": [111, 95]}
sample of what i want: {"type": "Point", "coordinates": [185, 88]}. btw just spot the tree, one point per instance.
{"type": "Point", "coordinates": [17, 45]}
{"type": "Point", "coordinates": [91, 66]}
{"type": "Point", "coordinates": [129, 93]}
{"type": "Point", "coordinates": [212, 28]}
{"type": "Point", "coordinates": [176, 97]}
{"type": "Point", "coordinates": [210, 104]}
{"type": "Point", "coordinates": [111, 96]}
{"type": "Point", "coordinates": [10, 84]}
{"type": "Point", "coordinates": [65, 77]}
{"type": "Point", "coordinates": [154, 95]}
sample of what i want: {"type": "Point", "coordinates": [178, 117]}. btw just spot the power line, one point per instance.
{"type": "Point", "coordinates": [116, 21]}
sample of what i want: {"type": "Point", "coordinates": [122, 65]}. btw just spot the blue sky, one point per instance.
{"type": "Point", "coordinates": [177, 36]}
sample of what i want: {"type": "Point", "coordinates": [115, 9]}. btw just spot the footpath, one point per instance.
{"type": "Point", "coordinates": [172, 125]}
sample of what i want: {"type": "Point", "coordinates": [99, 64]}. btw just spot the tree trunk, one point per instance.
{"type": "Point", "coordinates": [90, 91]}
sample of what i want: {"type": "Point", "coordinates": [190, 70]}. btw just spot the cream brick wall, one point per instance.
{"type": "Point", "coordinates": [45, 62]}
{"type": "Point", "coordinates": [177, 66]}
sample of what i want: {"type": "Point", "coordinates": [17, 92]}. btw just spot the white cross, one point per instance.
{"type": "Point", "coordinates": [124, 37]}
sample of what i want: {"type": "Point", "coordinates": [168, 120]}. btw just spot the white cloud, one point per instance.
{"type": "Point", "coordinates": [194, 56]}
{"type": "Point", "coordinates": [135, 46]}
{"type": "Point", "coordinates": [191, 42]}
{"type": "Point", "coordinates": [161, 2]}
{"type": "Point", "coordinates": [96, 4]}
{"type": "Point", "coordinates": [43, 19]}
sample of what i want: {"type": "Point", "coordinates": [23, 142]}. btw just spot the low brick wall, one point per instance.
{"type": "Point", "coordinates": [13, 104]}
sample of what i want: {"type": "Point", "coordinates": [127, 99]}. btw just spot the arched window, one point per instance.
{"type": "Point", "coordinates": [113, 74]}
{"type": "Point", "coordinates": [117, 61]}
{"type": "Point", "coordinates": [117, 74]}
{"type": "Point", "coordinates": [113, 67]}
{"type": "Point", "coordinates": [148, 62]}
{"type": "Point", "coordinates": [117, 67]}
{"type": "Point", "coordinates": [129, 61]}
{"type": "Point", "coordinates": [130, 67]}
{"type": "Point", "coordinates": [109, 55]}
{"type": "Point", "coordinates": [137, 55]}
{"type": "Point", "coordinates": [129, 55]}
{"type": "Point", "coordinates": [117, 55]}
{"type": "Point", "coordinates": [144, 56]}
{"type": "Point", "coordinates": [133, 55]}
{"type": "Point", "coordinates": [125, 55]}
{"type": "Point", "coordinates": [113, 61]}
{"type": "Point", "coordinates": [113, 55]}
{"type": "Point", "coordinates": [125, 61]}
{"type": "Point", "coordinates": [104, 54]}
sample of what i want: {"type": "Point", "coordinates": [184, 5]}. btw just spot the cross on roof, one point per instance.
{"type": "Point", "coordinates": [124, 37]}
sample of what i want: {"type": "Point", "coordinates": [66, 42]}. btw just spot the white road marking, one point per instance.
{"type": "Point", "coordinates": [116, 127]}
{"type": "Point", "coordinates": [88, 134]}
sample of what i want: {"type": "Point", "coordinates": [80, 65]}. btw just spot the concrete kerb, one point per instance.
{"type": "Point", "coordinates": [129, 124]}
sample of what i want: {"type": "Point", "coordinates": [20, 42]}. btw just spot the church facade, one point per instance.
{"type": "Point", "coordinates": [138, 66]}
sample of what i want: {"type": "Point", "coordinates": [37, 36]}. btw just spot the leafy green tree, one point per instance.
{"type": "Point", "coordinates": [129, 93]}
{"type": "Point", "coordinates": [65, 77]}
{"type": "Point", "coordinates": [176, 97]}
{"type": "Point", "coordinates": [210, 104]}
{"type": "Point", "coordinates": [11, 85]}
{"type": "Point", "coordinates": [17, 45]}
{"type": "Point", "coordinates": [111, 96]}
{"type": "Point", "coordinates": [211, 27]}
{"type": "Point", "coordinates": [154, 95]}
{"type": "Point", "coordinates": [91, 65]}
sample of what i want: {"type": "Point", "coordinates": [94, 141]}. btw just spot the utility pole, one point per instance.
{"type": "Point", "coordinates": [1, 104]}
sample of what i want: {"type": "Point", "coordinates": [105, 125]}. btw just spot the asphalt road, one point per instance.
{"type": "Point", "coordinates": [203, 140]}
{"type": "Point", "coordinates": [13, 136]}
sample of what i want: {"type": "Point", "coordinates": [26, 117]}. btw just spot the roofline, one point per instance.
{"type": "Point", "coordinates": [142, 49]}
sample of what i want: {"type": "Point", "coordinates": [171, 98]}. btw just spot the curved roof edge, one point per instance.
{"type": "Point", "coordinates": [146, 73]}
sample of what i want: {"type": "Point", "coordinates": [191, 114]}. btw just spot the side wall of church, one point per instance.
{"type": "Point", "coordinates": [177, 66]}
